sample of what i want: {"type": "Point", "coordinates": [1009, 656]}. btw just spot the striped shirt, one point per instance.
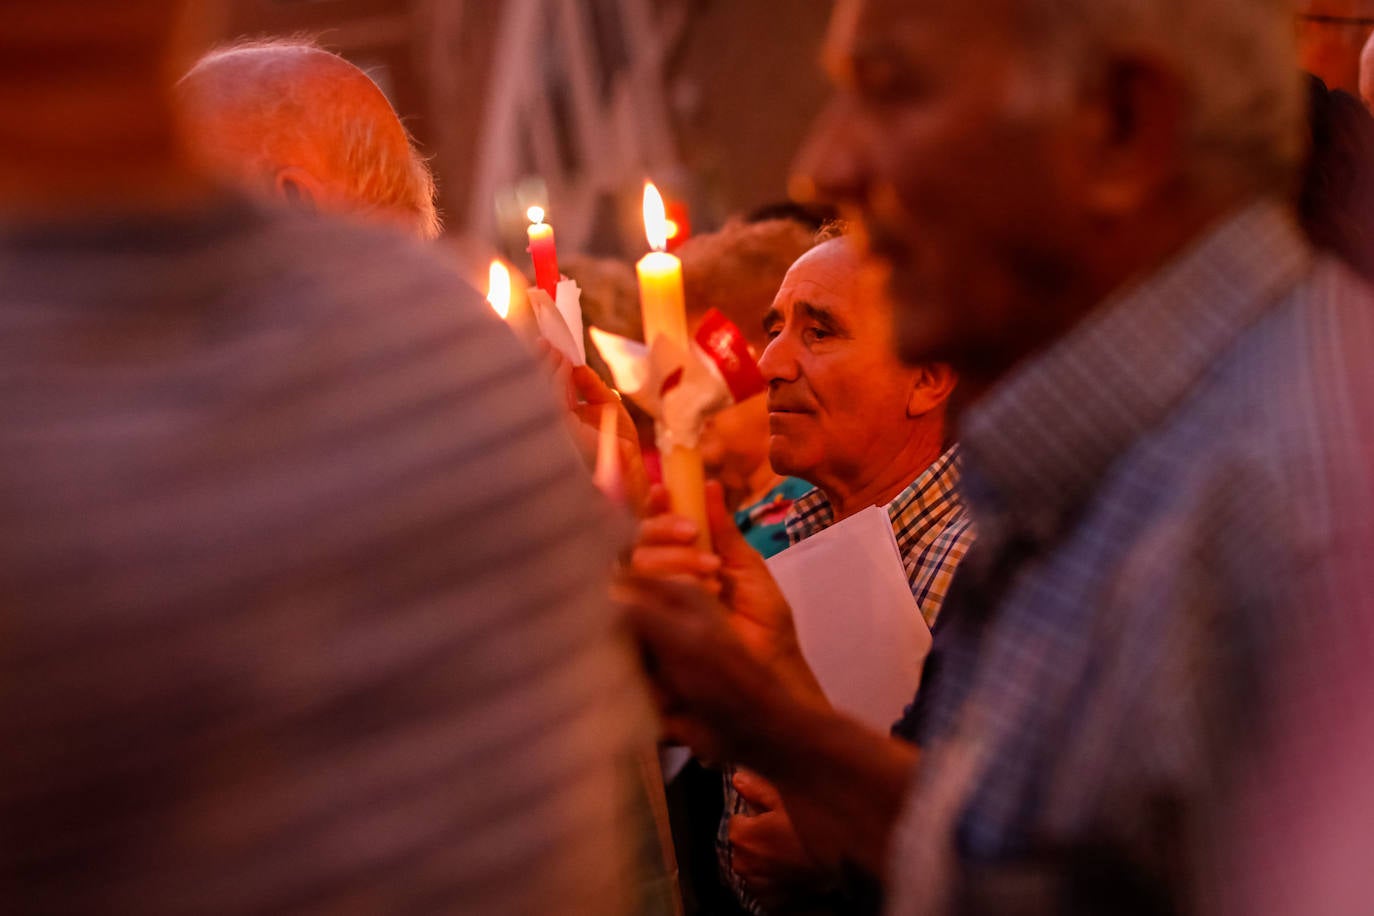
{"type": "Point", "coordinates": [933, 531]}
{"type": "Point", "coordinates": [1166, 500]}
{"type": "Point", "coordinates": [302, 585]}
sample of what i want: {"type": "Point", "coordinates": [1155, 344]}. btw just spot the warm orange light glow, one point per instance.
{"type": "Point", "coordinates": [655, 218]}
{"type": "Point", "coordinates": [536, 214]}
{"type": "Point", "coordinates": [673, 229]}
{"type": "Point", "coordinates": [498, 289]}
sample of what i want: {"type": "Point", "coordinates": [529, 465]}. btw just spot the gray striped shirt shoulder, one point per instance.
{"type": "Point", "coordinates": [304, 585]}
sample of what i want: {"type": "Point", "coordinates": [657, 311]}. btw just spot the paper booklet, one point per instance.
{"type": "Point", "coordinates": [858, 625]}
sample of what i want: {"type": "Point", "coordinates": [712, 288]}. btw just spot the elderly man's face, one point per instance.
{"type": "Point", "coordinates": [937, 142]}
{"type": "Point", "coordinates": [837, 395]}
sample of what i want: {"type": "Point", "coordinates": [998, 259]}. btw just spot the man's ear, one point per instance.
{"type": "Point", "coordinates": [299, 188]}
{"type": "Point", "coordinates": [1135, 127]}
{"type": "Point", "coordinates": [931, 389]}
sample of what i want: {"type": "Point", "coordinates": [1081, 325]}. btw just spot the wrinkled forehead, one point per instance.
{"type": "Point", "coordinates": [834, 275]}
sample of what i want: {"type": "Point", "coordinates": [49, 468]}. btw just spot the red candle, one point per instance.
{"type": "Point", "coordinates": [543, 253]}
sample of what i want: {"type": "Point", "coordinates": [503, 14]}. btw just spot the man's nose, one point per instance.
{"type": "Point", "coordinates": [831, 165]}
{"type": "Point", "coordinates": [778, 363]}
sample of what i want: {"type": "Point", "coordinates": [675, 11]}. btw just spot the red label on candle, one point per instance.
{"type": "Point", "coordinates": [724, 343]}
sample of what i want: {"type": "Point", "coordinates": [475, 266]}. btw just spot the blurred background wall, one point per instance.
{"type": "Point", "coordinates": [571, 104]}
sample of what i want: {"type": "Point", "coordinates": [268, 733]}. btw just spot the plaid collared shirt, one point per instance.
{"type": "Point", "coordinates": [932, 527]}
{"type": "Point", "coordinates": [1168, 502]}
{"type": "Point", "coordinates": [933, 531]}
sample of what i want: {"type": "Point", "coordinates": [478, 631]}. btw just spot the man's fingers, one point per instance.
{"type": "Point", "coordinates": [561, 370]}
{"type": "Point", "coordinates": [756, 790]}
{"type": "Point", "coordinates": [725, 535]}
{"type": "Point", "coordinates": [654, 561]}
{"type": "Point", "coordinates": [746, 832]}
{"type": "Point", "coordinates": [591, 388]}
{"type": "Point", "coordinates": [720, 519]}
{"type": "Point", "coordinates": [668, 530]}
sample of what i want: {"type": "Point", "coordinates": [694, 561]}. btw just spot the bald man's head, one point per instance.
{"type": "Point", "coordinates": [294, 120]}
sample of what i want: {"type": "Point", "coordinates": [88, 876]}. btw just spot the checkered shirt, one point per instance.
{"type": "Point", "coordinates": [1169, 502]}
{"type": "Point", "coordinates": [933, 531]}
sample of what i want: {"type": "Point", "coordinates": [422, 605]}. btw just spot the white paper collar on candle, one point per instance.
{"type": "Point", "coordinates": [560, 322]}
{"type": "Point", "coordinates": [675, 387]}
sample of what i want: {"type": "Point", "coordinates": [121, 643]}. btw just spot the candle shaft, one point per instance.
{"type": "Point", "coordinates": [685, 478]}
{"type": "Point", "coordinates": [661, 298]}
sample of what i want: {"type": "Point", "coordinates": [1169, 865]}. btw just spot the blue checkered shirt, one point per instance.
{"type": "Point", "coordinates": [933, 531]}
{"type": "Point", "coordinates": [1163, 498]}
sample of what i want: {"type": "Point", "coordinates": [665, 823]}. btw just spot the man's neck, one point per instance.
{"type": "Point", "coordinates": [887, 482]}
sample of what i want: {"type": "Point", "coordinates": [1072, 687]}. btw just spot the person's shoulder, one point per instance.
{"type": "Point", "coordinates": [352, 259]}
{"type": "Point", "coordinates": [299, 274]}
{"type": "Point", "coordinates": [1282, 426]}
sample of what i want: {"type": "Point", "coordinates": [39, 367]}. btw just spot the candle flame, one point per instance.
{"type": "Point", "coordinates": [655, 218]}
{"type": "Point", "coordinates": [498, 289]}
{"type": "Point", "coordinates": [536, 214]}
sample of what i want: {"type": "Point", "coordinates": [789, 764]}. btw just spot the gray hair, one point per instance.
{"type": "Point", "coordinates": [351, 142]}
{"type": "Point", "coordinates": [407, 186]}
{"type": "Point", "coordinates": [1237, 60]}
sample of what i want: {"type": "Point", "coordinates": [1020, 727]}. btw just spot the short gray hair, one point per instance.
{"type": "Point", "coordinates": [408, 186]}
{"type": "Point", "coordinates": [1237, 59]}
{"type": "Point", "coordinates": [379, 177]}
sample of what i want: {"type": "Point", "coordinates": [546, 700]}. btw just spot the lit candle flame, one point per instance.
{"type": "Point", "coordinates": [536, 214]}
{"type": "Point", "coordinates": [655, 218]}
{"type": "Point", "coordinates": [498, 289]}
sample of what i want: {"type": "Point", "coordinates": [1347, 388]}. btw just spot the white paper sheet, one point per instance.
{"type": "Point", "coordinates": [858, 625]}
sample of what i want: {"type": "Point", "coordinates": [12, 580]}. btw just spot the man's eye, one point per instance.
{"type": "Point", "coordinates": [815, 335]}
{"type": "Point", "coordinates": [771, 334]}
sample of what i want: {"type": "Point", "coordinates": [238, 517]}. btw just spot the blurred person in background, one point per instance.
{"type": "Point", "coordinates": [811, 216]}
{"type": "Point", "coordinates": [293, 121]}
{"type": "Point", "coordinates": [1084, 208]}
{"type": "Point", "coordinates": [303, 584]}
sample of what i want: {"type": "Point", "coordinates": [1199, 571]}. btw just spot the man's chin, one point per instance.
{"type": "Point", "coordinates": [782, 457]}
